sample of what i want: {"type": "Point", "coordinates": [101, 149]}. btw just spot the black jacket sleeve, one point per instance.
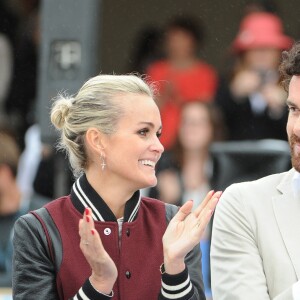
{"type": "Point", "coordinates": [33, 270]}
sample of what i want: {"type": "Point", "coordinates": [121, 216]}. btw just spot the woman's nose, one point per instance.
{"type": "Point", "coordinates": [158, 146]}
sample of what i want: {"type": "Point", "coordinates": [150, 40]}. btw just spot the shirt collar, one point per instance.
{"type": "Point", "coordinates": [296, 183]}
{"type": "Point", "coordinates": [83, 195]}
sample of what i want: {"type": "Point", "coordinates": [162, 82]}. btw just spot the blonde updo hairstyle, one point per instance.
{"type": "Point", "coordinates": [93, 106]}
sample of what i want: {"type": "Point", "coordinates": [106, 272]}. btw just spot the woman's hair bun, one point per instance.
{"type": "Point", "coordinates": [60, 111]}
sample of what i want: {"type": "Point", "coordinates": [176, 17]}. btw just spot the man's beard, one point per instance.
{"type": "Point", "coordinates": [293, 140]}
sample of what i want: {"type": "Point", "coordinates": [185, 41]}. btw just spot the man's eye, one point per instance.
{"type": "Point", "coordinates": [291, 109]}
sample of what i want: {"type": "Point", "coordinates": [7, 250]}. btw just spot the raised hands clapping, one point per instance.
{"type": "Point", "coordinates": [185, 230]}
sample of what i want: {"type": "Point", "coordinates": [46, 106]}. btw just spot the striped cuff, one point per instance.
{"type": "Point", "coordinates": [89, 292]}
{"type": "Point", "coordinates": [177, 286]}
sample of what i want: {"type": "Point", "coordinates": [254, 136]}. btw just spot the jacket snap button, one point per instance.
{"type": "Point", "coordinates": [128, 232]}
{"type": "Point", "coordinates": [107, 231]}
{"type": "Point", "coordinates": [128, 274]}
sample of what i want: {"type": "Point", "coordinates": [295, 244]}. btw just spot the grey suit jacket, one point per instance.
{"type": "Point", "coordinates": [255, 249]}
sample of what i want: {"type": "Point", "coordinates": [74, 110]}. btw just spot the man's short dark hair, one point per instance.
{"type": "Point", "coordinates": [290, 65]}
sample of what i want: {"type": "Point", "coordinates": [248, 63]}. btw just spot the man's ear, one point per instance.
{"type": "Point", "coordinates": [95, 140]}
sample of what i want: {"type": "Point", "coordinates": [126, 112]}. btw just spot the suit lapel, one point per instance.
{"type": "Point", "coordinates": [287, 212]}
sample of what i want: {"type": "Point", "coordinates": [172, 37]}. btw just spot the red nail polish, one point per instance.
{"type": "Point", "coordinates": [86, 211]}
{"type": "Point", "coordinates": [92, 231]}
{"type": "Point", "coordinates": [87, 219]}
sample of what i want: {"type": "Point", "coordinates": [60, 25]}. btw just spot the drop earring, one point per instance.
{"type": "Point", "coordinates": [103, 164]}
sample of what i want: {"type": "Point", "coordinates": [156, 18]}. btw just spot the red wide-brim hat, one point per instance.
{"type": "Point", "coordinates": [261, 30]}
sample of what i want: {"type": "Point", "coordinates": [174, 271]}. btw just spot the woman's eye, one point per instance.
{"type": "Point", "coordinates": [144, 132]}
{"type": "Point", "coordinates": [158, 134]}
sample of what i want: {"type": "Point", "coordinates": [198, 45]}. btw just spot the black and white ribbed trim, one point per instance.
{"type": "Point", "coordinates": [177, 286]}
{"type": "Point", "coordinates": [85, 201]}
{"type": "Point", "coordinates": [83, 195]}
{"type": "Point", "coordinates": [88, 292]}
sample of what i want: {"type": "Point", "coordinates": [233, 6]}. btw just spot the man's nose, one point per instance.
{"type": "Point", "coordinates": [296, 127]}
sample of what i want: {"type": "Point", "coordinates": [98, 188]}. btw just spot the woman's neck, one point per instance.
{"type": "Point", "coordinates": [112, 194]}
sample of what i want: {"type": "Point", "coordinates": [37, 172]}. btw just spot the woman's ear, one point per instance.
{"type": "Point", "coordinates": [94, 140]}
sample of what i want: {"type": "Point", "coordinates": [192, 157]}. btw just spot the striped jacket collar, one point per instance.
{"type": "Point", "coordinates": [83, 195]}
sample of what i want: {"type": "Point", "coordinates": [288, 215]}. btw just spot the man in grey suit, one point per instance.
{"type": "Point", "coordinates": [255, 249]}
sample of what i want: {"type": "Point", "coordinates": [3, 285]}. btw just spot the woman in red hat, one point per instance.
{"type": "Point", "coordinates": [252, 101]}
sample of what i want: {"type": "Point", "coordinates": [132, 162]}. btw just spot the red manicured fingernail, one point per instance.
{"type": "Point", "coordinates": [92, 231]}
{"type": "Point", "coordinates": [87, 219]}
{"type": "Point", "coordinates": [86, 211]}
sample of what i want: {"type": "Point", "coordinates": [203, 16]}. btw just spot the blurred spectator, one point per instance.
{"type": "Point", "coordinates": [8, 27]}
{"type": "Point", "coordinates": [181, 76]}
{"type": "Point", "coordinates": [34, 180]}
{"type": "Point", "coordinates": [52, 176]}
{"type": "Point", "coordinates": [6, 67]}
{"type": "Point", "coordinates": [37, 169]}
{"type": "Point", "coordinates": [258, 6]}
{"type": "Point", "coordinates": [8, 21]}
{"type": "Point", "coordinates": [20, 104]}
{"type": "Point", "coordinates": [250, 97]}
{"type": "Point", "coordinates": [147, 49]}
{"type": "Point", "coordinates": [17, 196]}
{"type": "Point", "coordinates": [10, 202]}
{"type": "Point", "coordinates": [29, 160]}
{"type": "Point", "coordinates": [186, 172]}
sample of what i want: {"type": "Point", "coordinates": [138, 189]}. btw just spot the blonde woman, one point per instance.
{"type": "Point", "coordinates": [104, 240]}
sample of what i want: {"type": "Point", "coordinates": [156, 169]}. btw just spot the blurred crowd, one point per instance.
{"type": "Point", "coordinates": [198, 105]}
